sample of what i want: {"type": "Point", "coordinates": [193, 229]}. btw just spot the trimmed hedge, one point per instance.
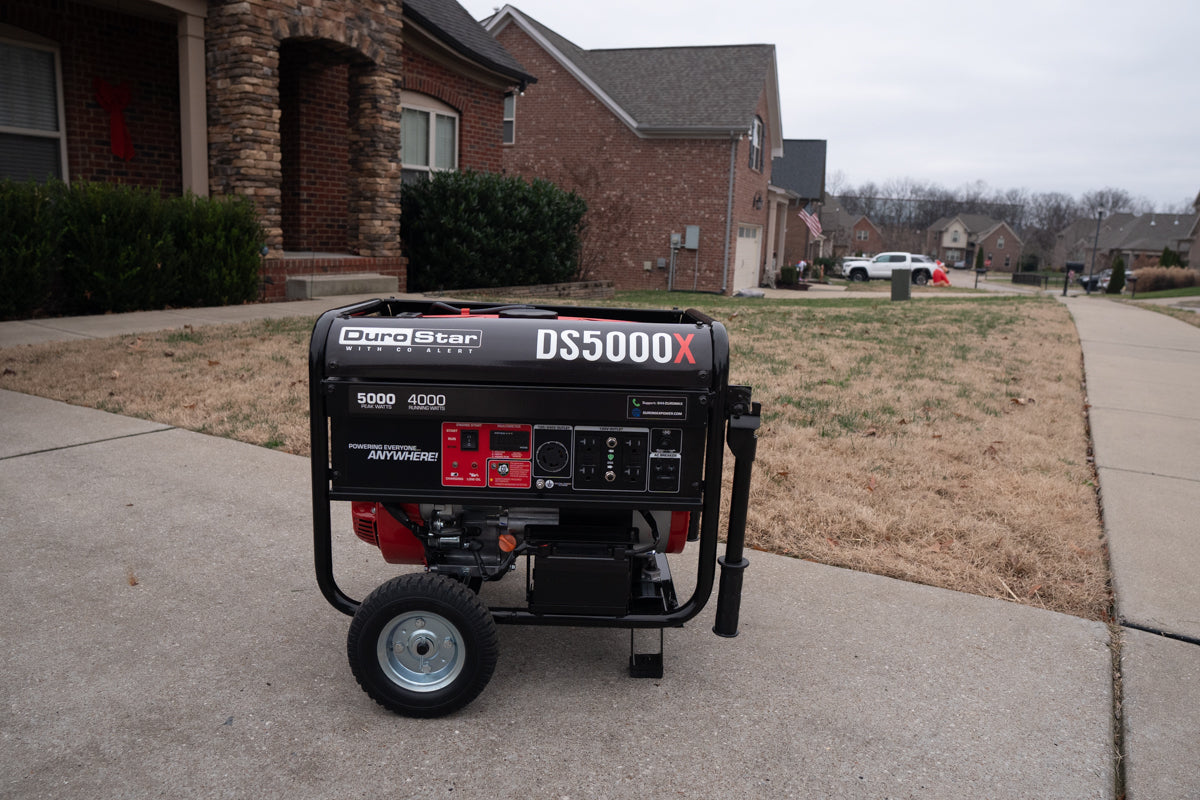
{"type": "Point", "coordinates": [29, 241]}
{"type": "Point", "coordinates": [92, 248]}
{"type": "Point", "coordinates": [1159, 279]}
{"type": "Point", "coordinates": [466, 230]}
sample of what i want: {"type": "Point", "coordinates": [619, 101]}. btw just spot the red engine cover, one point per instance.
{"type": "Point", "coordinates": [374, 525]}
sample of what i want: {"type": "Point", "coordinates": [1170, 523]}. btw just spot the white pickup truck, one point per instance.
{"type": "Point", "coordinates": [880, 267]}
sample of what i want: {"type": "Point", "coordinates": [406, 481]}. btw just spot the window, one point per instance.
{"type": "Point", "coordinates": [428, 137]}
{"type": "Point", "coordinates": [756, 145]}
{"type": "Point", "coordinates": [510, 118]}
{"type": "Point", "coordinates": [862, 235]}
{"type": "Point", "coordinates": [32, 141]}
{"type": "Point", "coordinates": [1000, 243]}
{"type": "Point", "coordinates": [954, 236]}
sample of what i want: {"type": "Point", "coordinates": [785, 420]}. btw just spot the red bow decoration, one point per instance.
{"type": "Point", "coordinates": [114, 99]}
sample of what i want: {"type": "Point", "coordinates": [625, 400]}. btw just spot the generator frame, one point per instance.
{"type": "Point", "coordinates": [732, 419]}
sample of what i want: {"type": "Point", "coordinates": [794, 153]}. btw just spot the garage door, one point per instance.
{"type": "Point", "coordinates": [745, 262]}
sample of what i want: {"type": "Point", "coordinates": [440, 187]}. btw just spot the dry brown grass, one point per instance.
{"type": "Point", "coordinates": [944, 444]}
{"type": "Point", "coordinates": [247, 381]}
{"type": "Point", "coordinates": [941, 442]}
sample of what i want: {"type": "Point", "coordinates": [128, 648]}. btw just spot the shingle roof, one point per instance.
{"type": "Point", "coordinates": [684, 87]}
{"type": "Point", "coordinates": [458, 30]}
{"type": "Point", "coordinates": [835, 218]}
{"type": "Point", "coordinates": [802, 168]}
{"type": "Point", "coordinates": [671, 89]}
{"type": "Point", "coordinates": [1147, 232]}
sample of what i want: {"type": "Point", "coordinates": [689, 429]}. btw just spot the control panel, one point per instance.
{"type": "Point", "coordinates": [548, 457]}
{"type": "Point", "coordinates": [433, 441]}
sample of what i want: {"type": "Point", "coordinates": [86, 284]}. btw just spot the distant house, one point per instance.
{"type": "Point", "coordinates": [299, 105]}
{"type": "Point", "coordinates": [671, 148]}
{"type": "Point", "coordinates": [1139, 239]}
{"type": "Point", "coordinates": [849, 233]}
{"type": "Point", "coordinates": [958, 239]}
{"type": "Point", "coordinates": [800, 173]}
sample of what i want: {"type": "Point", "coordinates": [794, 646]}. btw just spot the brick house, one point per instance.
{"type": "Point", "coordinates": [670, 147]}
{"type": "Point", "coordinates": [958, 238]}
{"type": "Point", "coordinates": [848, 233]}
{"type": "Point", "coordinates": [1139, 239]}
{"type": "Point", "coordinates": [300, 105]}
{"type": "Point", "coordinates": [800, 173]}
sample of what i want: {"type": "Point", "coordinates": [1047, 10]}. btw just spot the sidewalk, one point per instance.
{"type": "Point", "coordinates": [166, 636]}
{"type": "Point", "coordinates": [1143, 387]}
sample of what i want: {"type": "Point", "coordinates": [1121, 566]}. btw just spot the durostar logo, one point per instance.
{"type": "Point", "coordinates": [410, 337]}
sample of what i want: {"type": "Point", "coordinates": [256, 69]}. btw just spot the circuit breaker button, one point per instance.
{"type": "Point", "coordinates": [667, 439]}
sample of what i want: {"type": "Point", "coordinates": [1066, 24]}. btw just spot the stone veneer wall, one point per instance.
{"type": "Point", "coordinates": [243, 40]}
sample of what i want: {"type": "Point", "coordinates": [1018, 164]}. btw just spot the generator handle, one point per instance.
{"type": "Point", "coordinates": [743, 443]}
{"type": "Point", "coordinates": [319, 446]}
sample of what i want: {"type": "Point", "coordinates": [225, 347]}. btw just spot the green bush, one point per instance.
{"type": "Point", "coordinates": [114, 243]}
{"type": "Point", "coordinates": [1116, 281]}
{"type": "Point", "coordinates": [216, 245]}
{"type": "Point", "coordinates": [787, 274]}
{"type": "Point", "coordinates": [28, 246]}
{"type": "Point", "coordinates": [92, 248]}
{"type": "Point", "coordinates": [478, 230]}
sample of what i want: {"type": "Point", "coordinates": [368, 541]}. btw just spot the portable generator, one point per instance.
{"type": "Point", "coordinates": [582, 444]}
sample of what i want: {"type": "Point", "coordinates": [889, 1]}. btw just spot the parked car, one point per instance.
{"type": "Point", "coordinates": [843, 265]}
{"type": "Point", "coordinates": [880, 268]}
{"type": "Point", "coordinates": [1094, 282]}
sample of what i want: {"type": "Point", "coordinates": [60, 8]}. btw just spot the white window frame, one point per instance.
{"type": "Point", "coordinates": [508, 134]}
{"type": "Point", "coordinates": [19, 38]}
{"type": "Point", "coordinates": [862, 235]}
{"type": "Point", "coordinates": [1000, 243]}
{"type": "Point", "coordinates": [757, 131]}
{"type": "Point", "coordinates": [412, 101]}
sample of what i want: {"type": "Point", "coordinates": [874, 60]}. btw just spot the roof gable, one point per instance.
{"type": "Point", "coordinates": [450, 24]}
{"type": "Point", "coordinates": [668, 91]}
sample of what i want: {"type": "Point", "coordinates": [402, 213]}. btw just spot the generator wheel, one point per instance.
{"type": "Point", "coordinates": [423, 645]}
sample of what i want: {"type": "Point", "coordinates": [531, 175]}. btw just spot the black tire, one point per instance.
{"type": "Point", "coordinates": [422, 645]}
{"type": "Point", "coordinates": [858, 275]}
{"type": "Point", "coordinates": [921, 278]}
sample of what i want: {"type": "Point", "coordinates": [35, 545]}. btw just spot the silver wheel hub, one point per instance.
{"type": "Point", "coordinates": [420, 651]}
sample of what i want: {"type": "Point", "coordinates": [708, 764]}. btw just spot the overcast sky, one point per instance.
{"type": "Point", "coordinates": [1044, 95]}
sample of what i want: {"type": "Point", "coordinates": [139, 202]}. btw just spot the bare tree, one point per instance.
{"type": "Point", "coordinates": [1113, 201]}
{"type": "Point", "coordinates": [609, 214]}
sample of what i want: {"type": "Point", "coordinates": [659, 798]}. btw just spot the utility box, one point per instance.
{"type": "Point", "coordinates": [901, 284]}
{"type": "Point", "coordinates": [691, 237]}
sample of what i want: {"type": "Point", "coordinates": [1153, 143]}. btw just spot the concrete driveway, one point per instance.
{"type": "Point", "coordinates": [165, 637]}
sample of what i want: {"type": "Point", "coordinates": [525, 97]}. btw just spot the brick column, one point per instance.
{"type": "Point", "coordinates": [243, 112]}
{"type": "Point", "coordinates": [375, 158]}
{"type": "Point", "coordinates": [243, 41]}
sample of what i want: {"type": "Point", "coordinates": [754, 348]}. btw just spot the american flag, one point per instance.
{"type": "Point", "coordinates": [814, 224]}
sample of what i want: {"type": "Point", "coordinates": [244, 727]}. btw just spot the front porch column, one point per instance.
{"type": "Point", "coordinates": [375, 157]}
{"type": "Point", "coordinates": [193, 106]}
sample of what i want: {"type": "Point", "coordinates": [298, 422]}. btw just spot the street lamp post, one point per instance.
{"type": "Point", "coordinates": [1095, 247]}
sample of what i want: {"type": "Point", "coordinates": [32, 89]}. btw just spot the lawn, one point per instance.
{"type": "Point", "coordinates": [941, 441]}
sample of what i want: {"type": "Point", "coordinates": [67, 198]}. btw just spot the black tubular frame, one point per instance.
{"type": "Point", "coordinates": [730, 408]}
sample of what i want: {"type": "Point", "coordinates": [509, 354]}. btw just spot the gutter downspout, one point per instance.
{"type": "Point", "coordinates": [733, 143]}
